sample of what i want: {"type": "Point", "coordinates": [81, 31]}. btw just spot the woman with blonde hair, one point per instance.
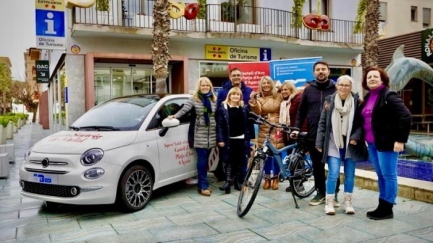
{"type": "Point", "coordinates": [233, 137]}
{"type": "Point", "coordinates": [203, 128]}
{"type": "Point", "coordinates": [339, 138]}
{"type": "Point", "coordinates": [267, 104]}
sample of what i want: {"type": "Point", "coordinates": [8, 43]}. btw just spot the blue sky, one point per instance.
{"type": "Point", "coordinates": [17, 31]}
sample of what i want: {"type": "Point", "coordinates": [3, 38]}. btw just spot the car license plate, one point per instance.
{"type": "Point", "coordinates": [43, 178]}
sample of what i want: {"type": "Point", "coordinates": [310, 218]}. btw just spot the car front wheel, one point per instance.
{"type": "Point", "coordinates": [135, 188]}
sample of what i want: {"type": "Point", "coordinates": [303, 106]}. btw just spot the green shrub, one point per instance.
{"type": "Point", "coordinates": [4, 121]}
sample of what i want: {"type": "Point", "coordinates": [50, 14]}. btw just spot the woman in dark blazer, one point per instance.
{"type": "Point", "coordinates": [233, 137]}
{"type": "Point", "coordinates": [386, 123]}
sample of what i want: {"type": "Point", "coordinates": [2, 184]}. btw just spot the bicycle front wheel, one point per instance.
{"type": "Point", "coordinates": [302, 182]}
{"type": "Point", "coordinates": [251, 186]}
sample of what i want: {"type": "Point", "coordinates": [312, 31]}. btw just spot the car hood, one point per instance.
{"type": "Point", "coordinates": [77, 142]}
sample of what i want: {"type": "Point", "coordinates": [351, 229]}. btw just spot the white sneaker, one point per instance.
{"type": "Point", "coordinates": [348, 202]}
{"type": "Point", "coordinates": [329, 206]}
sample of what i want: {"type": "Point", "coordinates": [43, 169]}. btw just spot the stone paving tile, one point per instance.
{"type": "Point", "coordinates": [172, 202]}
{"type": "Point", "coordinates": [210, 206]}
{"type": "Point", "coordinates": [425, 233]}
{"type": "Point", "coordinates": [39, 229]}
{"type": "Point", "coordinates": [380, 228]}
{"type": "Point", "coordinates": [195, 218]}
{"type": "Point", "coordinates": [233, 237]}
{"type": "Point", "coordinates": [277, 217]}
{"type": "Point", "coordinates": [38, 239]}
{"type": "Point", "coordinates": [9, 215]}
{"type": "Point", "coordinates": [131, 227]}
{"type": "Point", "coordinates": [150, 212]}
{"type": "Point", "coordinates": [284, 230]}
{"type": "Point", "coordinates": [82, 234]}
{"type": "Point", "coordinates": [237, 224]}
{"type": "Point", "coordinates": [104, 219]}
{"type": "Point", "coordinates": [20, 206]}
{"type": "Point", "coordinates": [182, 232]}
{"type": "Point", "coordinates": [20, 222]}
{"type": "Point", "coordinates": [419, 219]}
{"type": "Point", "coordinates": [400, 238]}
{"type": "Point", "coordinates": [137, 236]}
{"type": "Point", "coordinates": [29, 212]}
{"type": "Point", "coordinates": [340, 234]}
{"type": "Point", "coordinates": [7, 234]}
{"type": "Point", "coordinates": [327, 222]}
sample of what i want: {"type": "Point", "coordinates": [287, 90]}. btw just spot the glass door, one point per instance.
{"type": "Point", "coordinates": [141, 79]}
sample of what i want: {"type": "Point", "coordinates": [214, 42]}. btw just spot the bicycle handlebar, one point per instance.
{"type": "Point", "coordinates": [260, 120]}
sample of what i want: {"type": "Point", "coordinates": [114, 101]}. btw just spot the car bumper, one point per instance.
{"type": "Point", "coordinates": [58, 189]}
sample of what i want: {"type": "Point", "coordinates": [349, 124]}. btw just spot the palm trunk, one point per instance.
{"type": "Point", "coordinates": [371, 34]}
{"type": "Point", "coordinates": [160, 43]}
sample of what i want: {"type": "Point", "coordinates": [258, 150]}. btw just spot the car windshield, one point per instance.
{"type": "Point", "coordinates": [120, 114]}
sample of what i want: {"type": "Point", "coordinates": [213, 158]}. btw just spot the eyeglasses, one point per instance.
{"type": "Point", "coordinates": [236, 75]}
{"type": "Point", "coordinates": [344, 85]}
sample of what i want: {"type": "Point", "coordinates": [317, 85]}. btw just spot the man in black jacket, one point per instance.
{"type": "Point", "coordinates": [311, 108]}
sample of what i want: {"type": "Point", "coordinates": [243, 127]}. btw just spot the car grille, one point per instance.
{"type": "Point", "coordinates": [49, 190]}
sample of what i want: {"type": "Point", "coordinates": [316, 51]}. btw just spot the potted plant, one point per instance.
{"type": "Point", "coordinates": [3, 124]}
{"type": "Point", "coordinates": [102, 9]}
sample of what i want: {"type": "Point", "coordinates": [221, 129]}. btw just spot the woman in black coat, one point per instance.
{"type": "Point", "coordinates": [386, 122]}
{"type": "Point", "coordinates": [233, 138]}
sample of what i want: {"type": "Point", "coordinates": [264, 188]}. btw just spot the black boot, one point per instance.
{"type": "Point", "coordinates": [383, 211]}
{"type": "Point", "coordinates": [228, 184]}
{"type": "Point", "coordinates": [238, 181]}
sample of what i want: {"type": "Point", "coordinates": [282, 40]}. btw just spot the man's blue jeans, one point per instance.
{"type": "Point", "coordinates": [202, 161]}
{"type": "Point", "coordinates": [334, 173]}
{"type": "Point", "coordinates": [385, 164]}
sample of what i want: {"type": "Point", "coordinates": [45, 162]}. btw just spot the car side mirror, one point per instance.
{"type": "Point", "coordinates": [170, 122]}
{"type": "Point", "coordinates": [163, 131]}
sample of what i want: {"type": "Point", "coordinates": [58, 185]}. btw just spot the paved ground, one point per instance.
{"type": "Point", "coordinates": [179, 214]}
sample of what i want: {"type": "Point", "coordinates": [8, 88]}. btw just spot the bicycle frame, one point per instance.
{"type": "Point", "coordinates": [276, 153]}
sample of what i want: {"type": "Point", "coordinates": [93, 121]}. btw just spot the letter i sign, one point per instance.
{"type": "Point", "coordinates": [50, 23]}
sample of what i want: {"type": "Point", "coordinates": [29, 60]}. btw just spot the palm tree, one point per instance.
{"type": "Point", "coordinates": [367, 19]}
{"type": "Point", "coordinates": [160, 43]}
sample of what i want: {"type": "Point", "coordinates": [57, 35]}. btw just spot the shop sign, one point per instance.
{"type": "Point", "coordinates": [427, 45]}
{"type": "Point", "coordinates": [237, 53]}
{"type": "Point", "coordinates": [50, 24]}
{"type": "Point", "coordinates": [42, 71]}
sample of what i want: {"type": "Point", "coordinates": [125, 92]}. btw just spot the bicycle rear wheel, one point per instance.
{"type": "Point", "coordinates": [251, 186]}
{"type": "Point", "coordinates": [302, 182]}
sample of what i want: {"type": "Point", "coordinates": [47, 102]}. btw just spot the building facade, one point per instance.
{"type": "Point", "coordinates": [401, 17]}
{"type": "Point", "coordinates": [108, 52]}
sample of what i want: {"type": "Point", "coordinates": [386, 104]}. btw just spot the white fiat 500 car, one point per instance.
{"type": "Point", "coordinates": [118, 151]}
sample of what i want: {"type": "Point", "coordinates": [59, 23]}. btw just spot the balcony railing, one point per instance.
{"type": "Point", "coordinates": [219, 19]}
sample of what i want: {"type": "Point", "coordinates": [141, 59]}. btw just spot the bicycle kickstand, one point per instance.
{"type": "Point", "coordinates": [293, 194]}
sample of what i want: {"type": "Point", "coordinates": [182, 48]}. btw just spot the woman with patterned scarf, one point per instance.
{"type": "Point", "coordinates": [339, 136]}
{"type": "Point", "coordinates": [203, 102]}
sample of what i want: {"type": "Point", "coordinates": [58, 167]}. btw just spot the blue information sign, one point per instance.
{"type": "Point", "coordinates": [50, 23]}
{"type": "Point", "coordinates": [298, 71]}
{"type": "Point", "coordinates": [50, 29]}
{"type": "Point", "coordinates": [265, 54]}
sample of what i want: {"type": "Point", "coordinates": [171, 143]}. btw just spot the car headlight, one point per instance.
{"type": "Point", "coordinates": [91, 156]}
{"type": "Point", "coordinates": [27, 153]}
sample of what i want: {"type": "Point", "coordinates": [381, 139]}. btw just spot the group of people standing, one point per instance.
{"type": "Point", "coordinates": [342, 129]}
